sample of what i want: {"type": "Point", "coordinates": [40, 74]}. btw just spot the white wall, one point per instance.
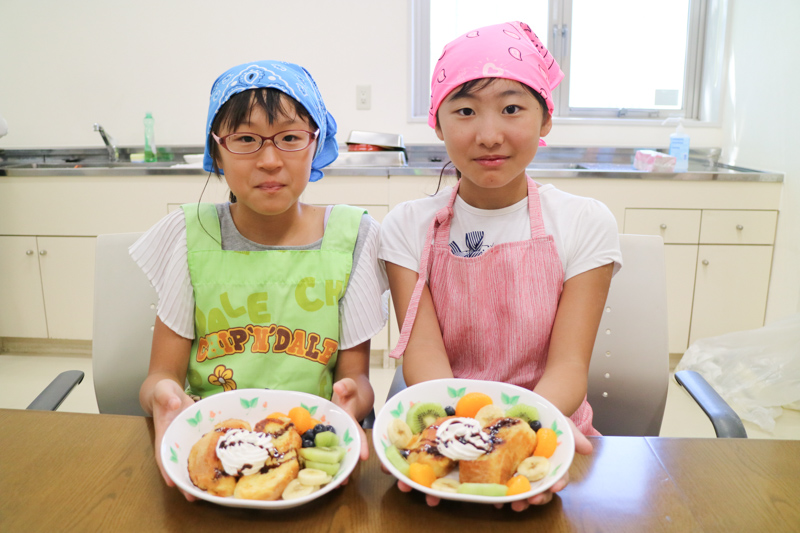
{"type": "Point", "coordinates": [66, 65]}
{"type": "Point", "coordinates": [761, 124]}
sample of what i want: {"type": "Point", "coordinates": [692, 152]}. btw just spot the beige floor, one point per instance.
{"type": "Point", "coordinates": [25, 375]}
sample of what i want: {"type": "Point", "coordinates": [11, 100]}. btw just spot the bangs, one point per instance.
{"type": "Point", "coordinates": [275, 104]}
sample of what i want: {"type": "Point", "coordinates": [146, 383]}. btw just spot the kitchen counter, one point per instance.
{"type": "Point", "coordinates": [423, 160]}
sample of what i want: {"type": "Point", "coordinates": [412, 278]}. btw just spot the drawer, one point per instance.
{"type": "Point", "coordinates": [675, 226]}
{"type": "Point", "coordinates": [721, 226]}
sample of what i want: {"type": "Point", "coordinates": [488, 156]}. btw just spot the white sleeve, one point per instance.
{"type": "Point", "coordinates": [162, 254]}
{"type": "Point", "coordinates": [595, 240]}
{"type": "Point", "coordinates": [404, 229]}
{"type": "Point", "coordinates": [365, 305]}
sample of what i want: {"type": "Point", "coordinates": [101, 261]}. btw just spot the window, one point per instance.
{"type": "Point", "coordinates": [621, 58]}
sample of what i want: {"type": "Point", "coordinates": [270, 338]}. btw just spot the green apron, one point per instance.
{"type": "Point", "coordinates": [267, 319]}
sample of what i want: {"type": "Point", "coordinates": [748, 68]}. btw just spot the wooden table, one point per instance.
{"type": "Point", "coordinates": [86, 472]}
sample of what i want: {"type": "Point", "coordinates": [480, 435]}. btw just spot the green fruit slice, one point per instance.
{"type": "Point", "coordinates": [422, 415]}
{"type": "Point", "coordinates": [331, 469]}
{"type": "Point", "coordinates": [321, 455]}
{"type": "Point", "coordinates": [326, 438]}
{"type": "Point", "coordinates": [526, 412]}
{"type": "Point", "coordinates": [398, 461]}
{"type": "Point", "coordinates": [483, 489]}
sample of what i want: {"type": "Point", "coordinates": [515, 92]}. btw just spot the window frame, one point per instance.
{"type": "Point", "coordinates": [700, 84]}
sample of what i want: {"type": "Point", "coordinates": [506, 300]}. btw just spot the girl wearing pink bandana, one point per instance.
{"type": "Point", "coordinates": [500, 278]}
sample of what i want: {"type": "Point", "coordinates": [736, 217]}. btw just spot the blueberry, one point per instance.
{"type": "Point", "coordinates": [449, 411]}
{"type": "Point", "coordinates": [308, 435]}
{"type": "Point", "coordinates": [319, 428]}
{"type": "Point", "coordinates": [308, 443]}
{"type": "Point", "coordinates": [330, 428]}
{"type": "Point", "coordinates": [536, 425]}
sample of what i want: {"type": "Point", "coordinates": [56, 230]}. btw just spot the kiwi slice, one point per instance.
{"type": "Point", "coordinates": [329, 468]}
{"type": "Point", "coordinates": [326, 438]}
{"type": "Point", "coordinates": [398, 461]}
{"type": "Point", "coordinates": [320, 455]}
{"type": "Point", "coordinates": [483, 489]}
{"type": "Point", "coordinates": [422, 415]}
{"type": "Point", "coordinates": [527, 413]}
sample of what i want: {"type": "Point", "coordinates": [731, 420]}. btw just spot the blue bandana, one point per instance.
{"type": "Point", "coordinates": [290, 79]}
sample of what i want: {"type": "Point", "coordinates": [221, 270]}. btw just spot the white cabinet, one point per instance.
{"type": "Point", "coordinates": [718, 267]}
{"type": "Point", "coordinates": [21, 289]}
{"type": "Point", "coordinates": [47, 287]}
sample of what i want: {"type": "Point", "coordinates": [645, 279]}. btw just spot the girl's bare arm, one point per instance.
{"type": "Point", "coordinates": [566, 374]}
{"type": "Point", "coordinates": [357, 397]}
{"type": "Point", "coordinates": [425, 357]}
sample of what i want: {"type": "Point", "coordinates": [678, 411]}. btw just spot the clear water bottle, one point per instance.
{"type": "Point", "coordinates": [150, 152]}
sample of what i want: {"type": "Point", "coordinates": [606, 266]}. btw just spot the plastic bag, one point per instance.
{"type": "Point", "coordinates": [756, 371]}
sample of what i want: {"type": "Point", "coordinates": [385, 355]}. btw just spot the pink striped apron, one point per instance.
{"type": "Point", "coordinates": [496, 310]}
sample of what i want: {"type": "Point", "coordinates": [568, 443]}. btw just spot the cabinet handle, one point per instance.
{"type": "Point", "coordinates": [663, 226]}
{"type": "Point", "coordinates": [28, 252]}
{"type": "Point", "coordinates": [739, 227]}
{"type": "Point", "coordinates": [42, 252]}
{"type": "Point", "coordinates": [705, 261]}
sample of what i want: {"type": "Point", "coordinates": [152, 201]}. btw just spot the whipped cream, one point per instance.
{"type": "Point", "coordinates": [461, 439]}
{"type": "Point", "coordinates": [244, 452]}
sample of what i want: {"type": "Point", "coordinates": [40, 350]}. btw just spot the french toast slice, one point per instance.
{"type": "Point", "coordinates": [422, 449]}
{"type": "Point", "coordinates": [285, 438]}
{"type": "Point", "coordinates": [513, 442]}
{"type": "Point", "coordinates": [205, 468]}
{"type": "Point", "coordinates": [269, 485]}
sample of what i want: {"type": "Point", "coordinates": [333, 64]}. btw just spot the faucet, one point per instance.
{"type": "Point", "coordinates": [113, 154]}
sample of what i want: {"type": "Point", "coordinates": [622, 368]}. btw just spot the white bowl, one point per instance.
{"type": "Point", "coordinates": [193, 158]}
{"type": "Point", "coordinates": [447, 392]}
{"type": "Point", "coordinates": [252, 405]}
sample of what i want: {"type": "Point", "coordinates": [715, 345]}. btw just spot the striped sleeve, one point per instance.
{"type": "Point", "coordinates": [365, 305]}
{"type": "Point", "coordinates": [161, 253]}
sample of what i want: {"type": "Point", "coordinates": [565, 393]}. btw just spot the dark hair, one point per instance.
{"type": "Point", "coordinates": [239, 107]}
{"type": "Point", "coordinates": [473, 86]}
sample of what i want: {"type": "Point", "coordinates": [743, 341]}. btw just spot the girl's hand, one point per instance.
{"type": "Point", "coordinates": [168, 401]}
{"type": "Point", "coordinates": [345, 395]}
{"type": "Point", "coordinates": [582, 446]}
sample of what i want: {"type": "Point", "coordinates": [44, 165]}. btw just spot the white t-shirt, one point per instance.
{"type": "Point", "coordinates": [162, 254]}
{"type": "Point", "coordinates": [584, 230]}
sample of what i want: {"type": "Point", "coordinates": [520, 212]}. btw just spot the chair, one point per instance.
{"type": "Point", "coordinates": [124, 317]}
{"type": "Point", "coordinates": [629, 369]}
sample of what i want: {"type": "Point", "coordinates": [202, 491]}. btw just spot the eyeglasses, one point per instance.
{"type": "Point", "coordinates": [249, 143]}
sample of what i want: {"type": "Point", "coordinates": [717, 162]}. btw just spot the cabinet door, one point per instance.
{"type": "Point", "coordinates": [730, 291]}
{"type": "Point", "coordinates": [680, 262]}
{"type": "Point", "coordinates": [67, 265]}
{"type": "Point", "coordinates": [21, 289]}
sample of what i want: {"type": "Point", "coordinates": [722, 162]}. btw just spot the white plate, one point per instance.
{"type": "Point", "coordinates": [447, 392]}
{"type": "Point", "coordinates": [252, 405]}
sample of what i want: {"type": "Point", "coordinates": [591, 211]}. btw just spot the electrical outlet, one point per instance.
{"type": "Point", "coordinates": [363, 96]}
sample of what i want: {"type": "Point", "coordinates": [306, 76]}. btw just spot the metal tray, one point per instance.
{"type": "Point", "coordinates": [384, 140]}
{"type": "Point", "coordinates": [370, 159]}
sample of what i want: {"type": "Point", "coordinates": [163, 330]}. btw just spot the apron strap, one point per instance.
{"type": "Point", "coordinates": [341, 232]}
{"type": "Point", "coordinates": [202, 227]}
{"type": "Point", "coordinates": [442, 219]}
{"type": "Point", "coordinates": [535, 210]}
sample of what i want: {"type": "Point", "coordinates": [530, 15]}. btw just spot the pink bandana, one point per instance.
{"type": "Point", "coordinates": [510, 50]}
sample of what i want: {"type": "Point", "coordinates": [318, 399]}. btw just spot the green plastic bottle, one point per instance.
{"type": "Point", "coordinates": [150, 151]}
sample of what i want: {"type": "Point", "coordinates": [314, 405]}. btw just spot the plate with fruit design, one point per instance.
{"type": "Point", "coordinates": [306, 444]}
{"type": "Point", "coordinates": [476, 441]}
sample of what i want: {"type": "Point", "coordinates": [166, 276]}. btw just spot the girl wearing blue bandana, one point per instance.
{"type": "Point", "coordinates": [263, 291]}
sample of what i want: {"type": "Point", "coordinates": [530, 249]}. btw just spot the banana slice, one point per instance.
{"type": "Point", "coordinates": [534, 468]}
{"type": "Point", "coordinates": [313, 478]}
{"type": "Point", "coordinates": [399, 433]}
{"type": "Point", "coordinates": [489, 413]}
{"type": "Point", "coordinates": [446, 484]}
{"type": "Point", "coordinates": [295, 489]}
